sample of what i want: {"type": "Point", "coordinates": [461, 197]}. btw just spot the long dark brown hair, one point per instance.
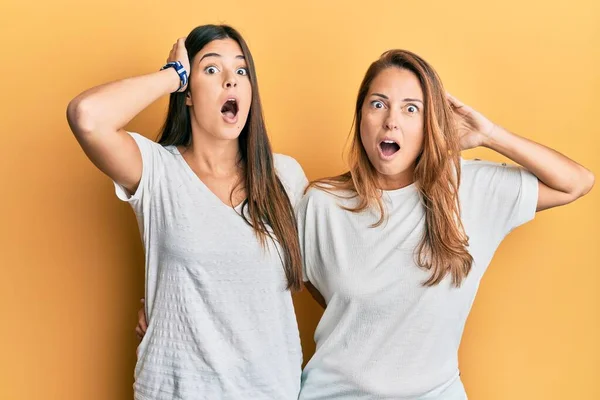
{"type": "Point", "coordinates": [267, 203]}
{"type": "Point", "coordinates": [443, 247]}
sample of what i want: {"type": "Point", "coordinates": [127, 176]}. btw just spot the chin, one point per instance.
{"type": "Point", "coordinates": [391, 170]}
{"type": "Point", "coordinates": [228, 133]}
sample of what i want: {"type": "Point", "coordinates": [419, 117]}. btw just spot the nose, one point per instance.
{"type": "Point", "coordinates": [391, 125]}
{"type": "Point", "coordinates": [230, 81]}
{"type": "Point", "coordinates": [391, 122]}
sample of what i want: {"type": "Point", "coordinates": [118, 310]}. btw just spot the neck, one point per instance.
{"type": "Point", "coordinates": [213, 156]}
{"type": "Point", "coordinates": [398, 181]}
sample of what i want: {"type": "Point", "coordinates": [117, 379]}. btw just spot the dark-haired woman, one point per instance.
{"type": "Point", "coordinates": [216, 213]}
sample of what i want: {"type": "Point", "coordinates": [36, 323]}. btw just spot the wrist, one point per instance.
{"type": "Point", "coordinates": [171, 80]}
{"type": "Point", "coordinates": [178, 71]}
{"type": "Point", "coordinates": [490, 138]}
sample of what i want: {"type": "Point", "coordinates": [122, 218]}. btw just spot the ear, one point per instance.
{"type": "Point", "coordinates": [188, 98]}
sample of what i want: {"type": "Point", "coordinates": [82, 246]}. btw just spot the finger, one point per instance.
{"type": "Point", "coordinates": [139, 333]}
{"type": "Point", "coordinates": [454, 100]}
{"type": "Point", "coordinates": [142, 320]}
{"type": "Point", "coordinates": [455, 103]}
{"type": "Point", "coordinates": [142, 323]}
{"type": "Point", "coordinates": [459, 106]}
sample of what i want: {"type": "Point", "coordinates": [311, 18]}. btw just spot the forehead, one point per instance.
{"type": "Point", "coordinates": [397, 82]}
{"type": "Point", "coordinates": [226, 48]}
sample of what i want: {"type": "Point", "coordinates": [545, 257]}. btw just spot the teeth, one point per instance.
{"type": "Point", "coordinates": [389, 141]}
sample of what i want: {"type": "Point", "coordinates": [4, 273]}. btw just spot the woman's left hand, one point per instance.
{"type": "Point", "coordinates": [474, 128]}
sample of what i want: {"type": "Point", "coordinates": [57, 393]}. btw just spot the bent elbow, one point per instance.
{"type": "Point", "coordinates": [80, 117]}
{"type": "Point", "coordinates": [589, 181]}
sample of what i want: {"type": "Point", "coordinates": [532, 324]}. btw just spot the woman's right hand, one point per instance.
{"type": "Point", "coordinates": [142, 325]}
{"type": "Point", "coordinates": [179, 53]}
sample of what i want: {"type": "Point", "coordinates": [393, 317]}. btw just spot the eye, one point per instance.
{"type": "Point", "coordinates": [412, 109]}
{"type": "Point", "coordinates": [377, 104]}
{"type": "Point", "coordinates": [242, 71]}
{"type": "Point", "coordinates": [211, 70]}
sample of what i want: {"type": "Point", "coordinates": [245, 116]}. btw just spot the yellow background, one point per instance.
{"type": "Point", "coordinates": [70, 253]}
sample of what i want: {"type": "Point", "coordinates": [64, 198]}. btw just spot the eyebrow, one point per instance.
{"type": "Point", "coordinates": [240, 57]}
{"type": "Point", "coordinates": [383, 96]}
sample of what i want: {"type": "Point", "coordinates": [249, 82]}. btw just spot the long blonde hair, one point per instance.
{"type": "Point", "coordinates": [443, 247]}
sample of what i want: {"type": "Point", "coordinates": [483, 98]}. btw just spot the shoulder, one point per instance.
{"type": "Point", "coordinates": [291, 175]}
{"type": "Point", "coordinates": [287, 167]}
{"type": "Point", "coordinates": [325, 197]}
{"type": "Point", "coordinates": [289, 170]}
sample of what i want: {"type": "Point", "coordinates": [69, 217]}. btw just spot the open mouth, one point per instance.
{"type": "Point", "coordinates": [230, 108]}
{"type": "Point", "coordinates": [388, 147]}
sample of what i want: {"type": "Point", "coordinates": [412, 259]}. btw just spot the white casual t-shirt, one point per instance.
{"type": "Point", "coordinates": [221, 324]}
{"type": "Point", "coordinates": [383, 334]}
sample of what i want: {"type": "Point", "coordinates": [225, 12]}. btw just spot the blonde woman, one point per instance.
{"type": "Point", "coordinates": [396, 247]}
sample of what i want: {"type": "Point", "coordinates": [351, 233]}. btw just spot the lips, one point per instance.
{"type": "Point", "coordinates": [229, 110]}
{"type": "Point", "coordinates": [388, 147]}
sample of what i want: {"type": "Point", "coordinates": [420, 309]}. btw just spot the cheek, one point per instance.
{"type": "Point", "coordinates": [203, 97]}
{"type": "Point", "coordinates": [365, 135]}
{"type": "Point", "coordinates": [244, 92]}
{"type": "Point", "coordinates": [369, 126]}
{"type": "Point", "coordinates": [246, 86]}
{"type": "Point", "coordinates": [413, 131]}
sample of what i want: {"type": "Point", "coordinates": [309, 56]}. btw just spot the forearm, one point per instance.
{"type": "Point", "coordinates": [551, 167]}
{"type": "Point", "coordinates": [111, 106]}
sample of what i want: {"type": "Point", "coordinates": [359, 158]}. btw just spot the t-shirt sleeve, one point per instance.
{"type": "Point", "coordinates": [292, 177]}
{"type": "Point", "coordinates": [305, 233]}
{"type": "Point", "coordinates": [499, 195]}
{"type": "Point", "coordinates": [150, 152]}
{"type": "Point", "coordinates": [315, 234]}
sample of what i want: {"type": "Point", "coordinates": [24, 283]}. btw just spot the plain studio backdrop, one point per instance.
{"type": "Point", "coordinates": [70, 254]}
